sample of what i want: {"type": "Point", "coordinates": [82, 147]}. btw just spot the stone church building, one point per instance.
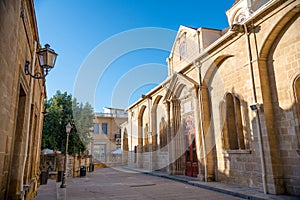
{"type": "Point", "coordinates": [229, 110]}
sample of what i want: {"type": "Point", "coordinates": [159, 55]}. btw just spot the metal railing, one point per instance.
{"type": "Point", "coordinates": [116, 115]}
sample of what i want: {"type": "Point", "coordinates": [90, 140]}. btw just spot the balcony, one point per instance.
{"type": "Point", "coordinates": [115, 115]}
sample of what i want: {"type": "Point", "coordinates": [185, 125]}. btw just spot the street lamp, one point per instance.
{"type": "Point", "coordinates": [68, 130]}
{"type": "Point", "coordinates": [118, 142]}
{"type": "Point", "coordinates": [47, 58]}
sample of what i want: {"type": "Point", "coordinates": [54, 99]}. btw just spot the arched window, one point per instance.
{"type": "Point", "coordinates": [239, 123]}
{"type": "Point", "coordinates": [297, 102]}
{"type": "Point", "coordinates": [231, 122]}
{"type": "Point", "coordinates": [297, 92]}
{"type": "Point", "coordinates": [162, 133]}
{"type": "Point", "coordinates": [146, 138]}
{"type": "Point", "coordinates": [232, 126]}
{"type": "Point", "coordinates": [223, 125]}
{"type": "Point", "coordinates": [125, 140]}
{"type": "Point", "coordinates": [182, 49]}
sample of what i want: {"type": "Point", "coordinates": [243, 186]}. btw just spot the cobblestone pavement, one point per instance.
{"type": "Point", "coordinates": [109, 183]}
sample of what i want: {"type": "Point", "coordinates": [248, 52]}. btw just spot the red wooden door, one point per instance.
{"type": "Point", "coordinates": [191, 161]}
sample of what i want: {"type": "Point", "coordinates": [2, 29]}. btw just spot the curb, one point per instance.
{"type": "Point", "coordinates": [191, 182]}
{"type": "Point", "coordinates": [236, 194]}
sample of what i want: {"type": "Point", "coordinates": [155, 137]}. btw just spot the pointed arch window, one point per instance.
{"type": "Point", "coordinates": [125, 140]}
{"type": "Point", "coordinates": [182, 47]}
{"type": "Point", "coordinates": [162, 133]}
{"type": "Point", "coordinates": [146, 139]}
{"type": "Point", "coordinates": [297, 102]}
{"type": "Point", "coordinates": [297, 92]}
{"type": "Point", "coordinates": [232, 126]}
{"type": "Point", "coordinates": [182, 50]}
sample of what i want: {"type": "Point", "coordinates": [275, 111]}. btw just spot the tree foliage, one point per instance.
{"type": "Point", "coordinates": [62, 109]}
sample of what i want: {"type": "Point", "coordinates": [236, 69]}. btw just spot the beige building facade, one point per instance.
{"type": "Point", "coordinates": [106, 136]}
{"type": "Point", "coordinates": [229, 109]}
{"type": "Point", "coordinates": [22, 101]}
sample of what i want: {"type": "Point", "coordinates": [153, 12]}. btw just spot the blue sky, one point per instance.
{"type": "Point", "coordinates": [77, 29]}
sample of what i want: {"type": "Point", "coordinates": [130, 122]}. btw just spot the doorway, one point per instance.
{"type": "Point", "coordinates": [191, 160]}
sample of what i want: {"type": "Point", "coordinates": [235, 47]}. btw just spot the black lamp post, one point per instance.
{"type": "Point", "coordinates": [68, 130]}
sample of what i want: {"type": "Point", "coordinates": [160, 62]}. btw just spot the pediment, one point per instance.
{"type": "Point", "coordinates": [176, 84]}
{"type": "Point", "coordinates": [184, 50]}
{"type": "Point", "coordinates": [182, 31]}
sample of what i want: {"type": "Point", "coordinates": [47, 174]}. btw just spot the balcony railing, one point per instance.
{"type": "Point", "coordinates": [116, 115]}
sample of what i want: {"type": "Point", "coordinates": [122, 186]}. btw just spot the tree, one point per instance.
{"type": "Point", "coordinates": [62, 109]}
{"type": "Point", "coordinates": [83, 116]}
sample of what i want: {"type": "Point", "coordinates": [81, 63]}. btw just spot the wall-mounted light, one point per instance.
{"type": "Point", "coordinates": [256, 106]}
{"type": "Point", "coordinates": [45, 113]}
{"type": "Point", "coordinates": [47, 58]}
{"type": "Point", "coordinates": [118, 142]}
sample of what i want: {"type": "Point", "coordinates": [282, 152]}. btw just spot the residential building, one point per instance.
{"type": "Point", "coordinates": [229, 109]}
{"type": "Point", "coordinates": [106, 135]}
{"type": "Point", "coordinates": [22, 101]}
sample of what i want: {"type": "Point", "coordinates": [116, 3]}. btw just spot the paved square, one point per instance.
{"type": "Point", "coordinates": [110, 183]}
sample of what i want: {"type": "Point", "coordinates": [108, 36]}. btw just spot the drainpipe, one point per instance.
{"type": "Point", "coordinates": [150, 131]}
{"type": "Point", "coordinates": [132, 150]}
{"type": "Point", "coordinates": [257, 118]}
{"type": "Point", "coordinates": [27, 125]}
{"type": "Point", "coordinates": [201, 121]}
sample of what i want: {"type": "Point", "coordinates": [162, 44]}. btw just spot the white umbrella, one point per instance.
{"type": "Point", "coordinates": [117, 151]}
{"type": "Point", "coordinates": [47, 151]}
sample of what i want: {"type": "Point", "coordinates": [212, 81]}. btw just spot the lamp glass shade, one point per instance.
{"type": "Point", "coordinates": [47, 57]}
{"type": "Point", "coordinates": [68, 128]}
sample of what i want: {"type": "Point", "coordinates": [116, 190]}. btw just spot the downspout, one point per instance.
{"type": "Point", "coordinates": [202, 124]}
{"type": "Point", "coordinates": [132, 150]}
{"type": "Point", "coordinates": [27, 125]}
{"type": "Point", "coordinates": [257, 118]}
{"type": "Point", "coordinates": [150, 131]}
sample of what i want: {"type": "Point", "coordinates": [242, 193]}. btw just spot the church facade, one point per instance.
{"type": "Point", "coordinates": [229, 110]}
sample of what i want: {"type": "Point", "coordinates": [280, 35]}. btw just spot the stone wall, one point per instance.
{"type": "Point", "coordinates": [18, 32]}
{"type": "Point", "coordinates": [284, 70]}
{"type": "Point", "coordinates": [162, 160]}
{"type": "Point", "coordinates": [76, 162]}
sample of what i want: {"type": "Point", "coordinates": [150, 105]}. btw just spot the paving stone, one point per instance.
{"type": "Point", "coordinates": [130, 184]}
